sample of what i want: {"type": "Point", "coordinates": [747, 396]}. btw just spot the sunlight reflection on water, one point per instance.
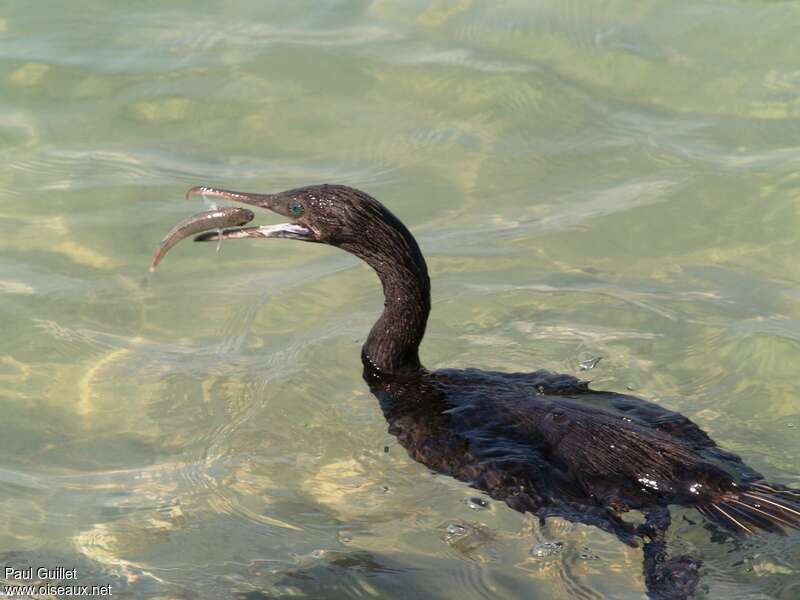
{"type": "Point", "coordinates": [586, 181]}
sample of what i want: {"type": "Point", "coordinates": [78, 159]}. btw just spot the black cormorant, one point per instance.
{"type": "Point", "coordinates": [540, 442]}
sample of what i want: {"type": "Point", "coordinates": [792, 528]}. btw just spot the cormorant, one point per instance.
{"type": "Point", "coordinates": [540, 442]}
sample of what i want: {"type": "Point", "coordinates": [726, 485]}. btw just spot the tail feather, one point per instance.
{"type": "Point", "coordinates": [755, 517]}
{"type": "Point", "coordinates": [761, 518]}
{"type": "Point", "coordinates": [771, 488]}
{"type": "Point", "coordinates": [724, 517]}
{"type": "Point", "coordinates": [760, 507]}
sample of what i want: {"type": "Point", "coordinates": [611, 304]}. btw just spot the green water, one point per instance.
{"type": "Point", "coordinates": [616, 179]}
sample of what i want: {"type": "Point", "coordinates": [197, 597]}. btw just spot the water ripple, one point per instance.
{"type": "Point", "coordinates": [81, 169]}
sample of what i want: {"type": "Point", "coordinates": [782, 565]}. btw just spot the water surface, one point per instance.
{"type": "Point", "coordinates": [615, 179]}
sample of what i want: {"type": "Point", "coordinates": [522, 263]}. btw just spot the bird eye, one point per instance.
{"type": "Point", "coordinates": [295, 208]}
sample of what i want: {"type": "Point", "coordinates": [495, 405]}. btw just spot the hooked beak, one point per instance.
{"type": "Point", "coordinates": [275, 202]}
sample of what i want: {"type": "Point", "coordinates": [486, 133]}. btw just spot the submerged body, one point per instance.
{"type": "Point", "coordinates": [548, 445]}
{"type": "Point", "coordinates": [538, 439]}
{"type": "Point", "coordinates": [540, 442]}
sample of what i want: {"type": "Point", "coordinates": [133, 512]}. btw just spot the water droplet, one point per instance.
{"type": "Point", "coordinates": [476, 503]}
{"type": "Point", "coordinates": [546, 549]}
{"type": "Point", "coordinates": [208, 200]}
{"type": "Point", "coordinates": [647, 481]}
{"type": "Point", "coordinates": [589, 363]}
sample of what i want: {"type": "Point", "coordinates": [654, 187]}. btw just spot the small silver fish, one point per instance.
{"type": "Point", "coordinates": [227, 216]}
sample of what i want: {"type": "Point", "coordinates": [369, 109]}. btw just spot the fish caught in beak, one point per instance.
{"type": "Point", "coordinates": [281, 203]}
{"type": "Point", "coordinates": [213, 219]}
{"type": "Point", "coordinates": [225, 223]}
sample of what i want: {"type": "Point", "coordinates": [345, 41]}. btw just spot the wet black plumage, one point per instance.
{"type": "Point", "coordinates": [540, 442]}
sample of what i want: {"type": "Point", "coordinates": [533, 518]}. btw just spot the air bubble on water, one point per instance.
{"type": "Point", "coordinates": [546, 549]}
{"type": "Point", "coordinates": [455, 531]}
{"type": "Point", "coordinates": [476, 503]}
{"type": "Point", "coordinates": [589, 363]}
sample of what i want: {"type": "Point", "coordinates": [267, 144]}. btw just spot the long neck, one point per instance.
{"type": "Point", "coordinates": [393, 343]}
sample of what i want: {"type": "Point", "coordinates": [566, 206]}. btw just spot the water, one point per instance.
{"type": "Point", "coordinates": [615, 180]}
